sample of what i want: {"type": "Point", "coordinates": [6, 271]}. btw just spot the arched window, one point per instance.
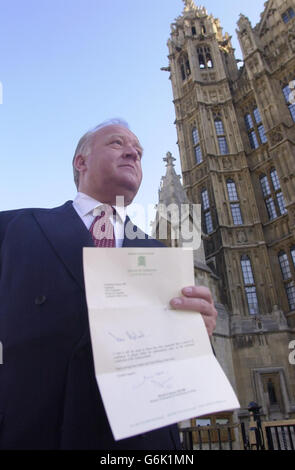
{"type": "Point", "coordinates": [284, 265]}
{"type": "Point", "coordinates": [287, 277]}
{"type": "Point", "coordinates": [195, 136]}
{"type": "Point", "coordinates": [232, 190]}
{"type": "Point", "coordinates": [219, 126]}
{"type": "Point", "coordinates": [290, 291]}
{"type": "Point", "coordinates": [182, 69]}
{"type": "Point", "coordinates": [205, 57]}
{"type": "Point", "coordinates": [209, 61]}
{"type": "Point", "coordinates": [275, 179]}
{"type": "Point", "coordinates": [265, 185]}
{"type": "Point", "coordinates": [288, 98]}
{"type": "Point", "coordinates": [197, 146]}
{"type": "Point", "coordinates": [259, 125]}
{"type": "Point", "coordinates": [273, 195]}
{"type": "Point", "coordinates": [288, 15]}
{"type": "Point", "coordinates": [255, 129]}
{"type": "Point", "coordinates": [278, 192]}
{"type": "Point", "coordinates": [185, 68]}
{"type": "Point", "coordinates": [269, 202]}
{"type": "Point", "coordinates": [202, 63]}
{"type": "Point", "coordinates": [249, 284]}
{"type": "Point", "coordinates": [234, 202]}
{"type": "Point", "coordinates": [247, 270]}
{"type": "Point", "coordinates": [251, 131]}
{"type": "Point", "coordinates": [221, 138]}
{"type": "Point", "coordinates": [208, 224]}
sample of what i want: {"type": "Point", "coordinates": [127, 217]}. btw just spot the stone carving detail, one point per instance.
{"type": "Point", "coordinates": [247, 42]}
{"type": "Point", "coordinates": [242, 237]}
{"type": "Point", "coordinates": [244, 34]}
{"type": "Point", "coordinates": [226, 164]}
{"type": "Point", "coordinates": [276, 136]}
{"type": "Point", "coordinates": [216, 110]}
{"type": "Point", "coordinates": [279, 316]}
{"type": "Point", "coordinates": [213, 95]}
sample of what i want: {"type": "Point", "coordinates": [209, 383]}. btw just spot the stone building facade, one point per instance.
{"type": "Point", "coordinates": [236, 137]}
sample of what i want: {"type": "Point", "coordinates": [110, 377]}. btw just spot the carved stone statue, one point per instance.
{"type": "Point", "coordinates": [242, 237]}
{"type": "Point", "coordinates": [247, 43]}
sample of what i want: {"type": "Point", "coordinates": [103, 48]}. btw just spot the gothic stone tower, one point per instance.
{"type": "Point", "coordinates": [236, 137]}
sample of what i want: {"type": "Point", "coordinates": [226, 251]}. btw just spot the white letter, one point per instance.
{"type": "Point", "coordinates": [173, 210]}
{"type": "Point", "coordinates": [136, 213]}
{"type": "Point", "coordinates": [192, 239]}
{"type": "Point", "coordinates": [148, 459]}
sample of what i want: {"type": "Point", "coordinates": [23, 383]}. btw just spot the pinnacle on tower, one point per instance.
{"type": "Point", "coordinates": [189, 5]}
{"type": "Point", "coordinates": [169, 159]}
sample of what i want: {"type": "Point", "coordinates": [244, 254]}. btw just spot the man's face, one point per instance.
{"type": "Point", "coordinates": [113, 166]}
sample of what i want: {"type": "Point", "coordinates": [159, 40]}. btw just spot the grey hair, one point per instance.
{"type": "Point", "coordinates": [84, 144]}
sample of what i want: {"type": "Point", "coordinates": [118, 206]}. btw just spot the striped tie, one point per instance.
{"type": "Point", "coordinates": [102, 229]}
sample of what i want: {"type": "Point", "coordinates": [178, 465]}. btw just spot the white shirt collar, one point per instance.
{"type": "Point", "coordinates": [85, 205]}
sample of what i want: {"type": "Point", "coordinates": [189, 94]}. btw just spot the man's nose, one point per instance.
{"type": "Point", "coordinates": [131, 152]}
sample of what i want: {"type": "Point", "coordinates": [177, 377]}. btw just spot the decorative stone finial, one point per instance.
{"type": "Point", "coordinates": [169, 159]}
{"type": "Point", "coordinates": [189, 5]}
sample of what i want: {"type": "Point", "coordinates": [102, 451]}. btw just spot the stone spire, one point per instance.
{"type": "Point", "coordinates": [189, 5]}
{"type": "Point", "coordinates": [171, 193]}
{"type": "Point", "coordinates": [171, 190]}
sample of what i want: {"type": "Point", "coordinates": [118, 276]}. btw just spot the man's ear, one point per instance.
{"type": "Point", "coordinates": [80, 163]}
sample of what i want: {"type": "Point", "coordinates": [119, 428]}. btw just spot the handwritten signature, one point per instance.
{"type": "Point", "coordinates": [159, 379]}
{"type": "Point", "coordinates": [127, 335]}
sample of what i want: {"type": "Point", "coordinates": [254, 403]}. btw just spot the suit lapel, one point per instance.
{"type": "Point", "coordinates": [68, 235]}
{"type": "Point", "coordinates": [140, 240]}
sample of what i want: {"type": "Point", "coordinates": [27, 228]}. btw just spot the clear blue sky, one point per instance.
{"type": "Point", "coordinates": [67, 65]}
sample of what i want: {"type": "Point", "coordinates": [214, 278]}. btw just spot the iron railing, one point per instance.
{"type": "Point", "coordinates": [218, 437]}
{"type": "Point", "coordinates": [279, 435]}
{"type": "Point", "coordinates": [269, 435]}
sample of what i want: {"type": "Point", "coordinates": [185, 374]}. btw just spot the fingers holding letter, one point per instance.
{"type": "Point", "coordinates": [198, 299]}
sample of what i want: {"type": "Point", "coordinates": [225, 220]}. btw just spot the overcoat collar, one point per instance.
{"type": "Point", "coordinates": [67, 234]}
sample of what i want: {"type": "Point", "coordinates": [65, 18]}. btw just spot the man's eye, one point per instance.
{"type": "Point", "coordinates": [139, 152]}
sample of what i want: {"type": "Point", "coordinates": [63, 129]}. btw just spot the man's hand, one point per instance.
{"type": "Point", "coordinates": [198, 299]}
